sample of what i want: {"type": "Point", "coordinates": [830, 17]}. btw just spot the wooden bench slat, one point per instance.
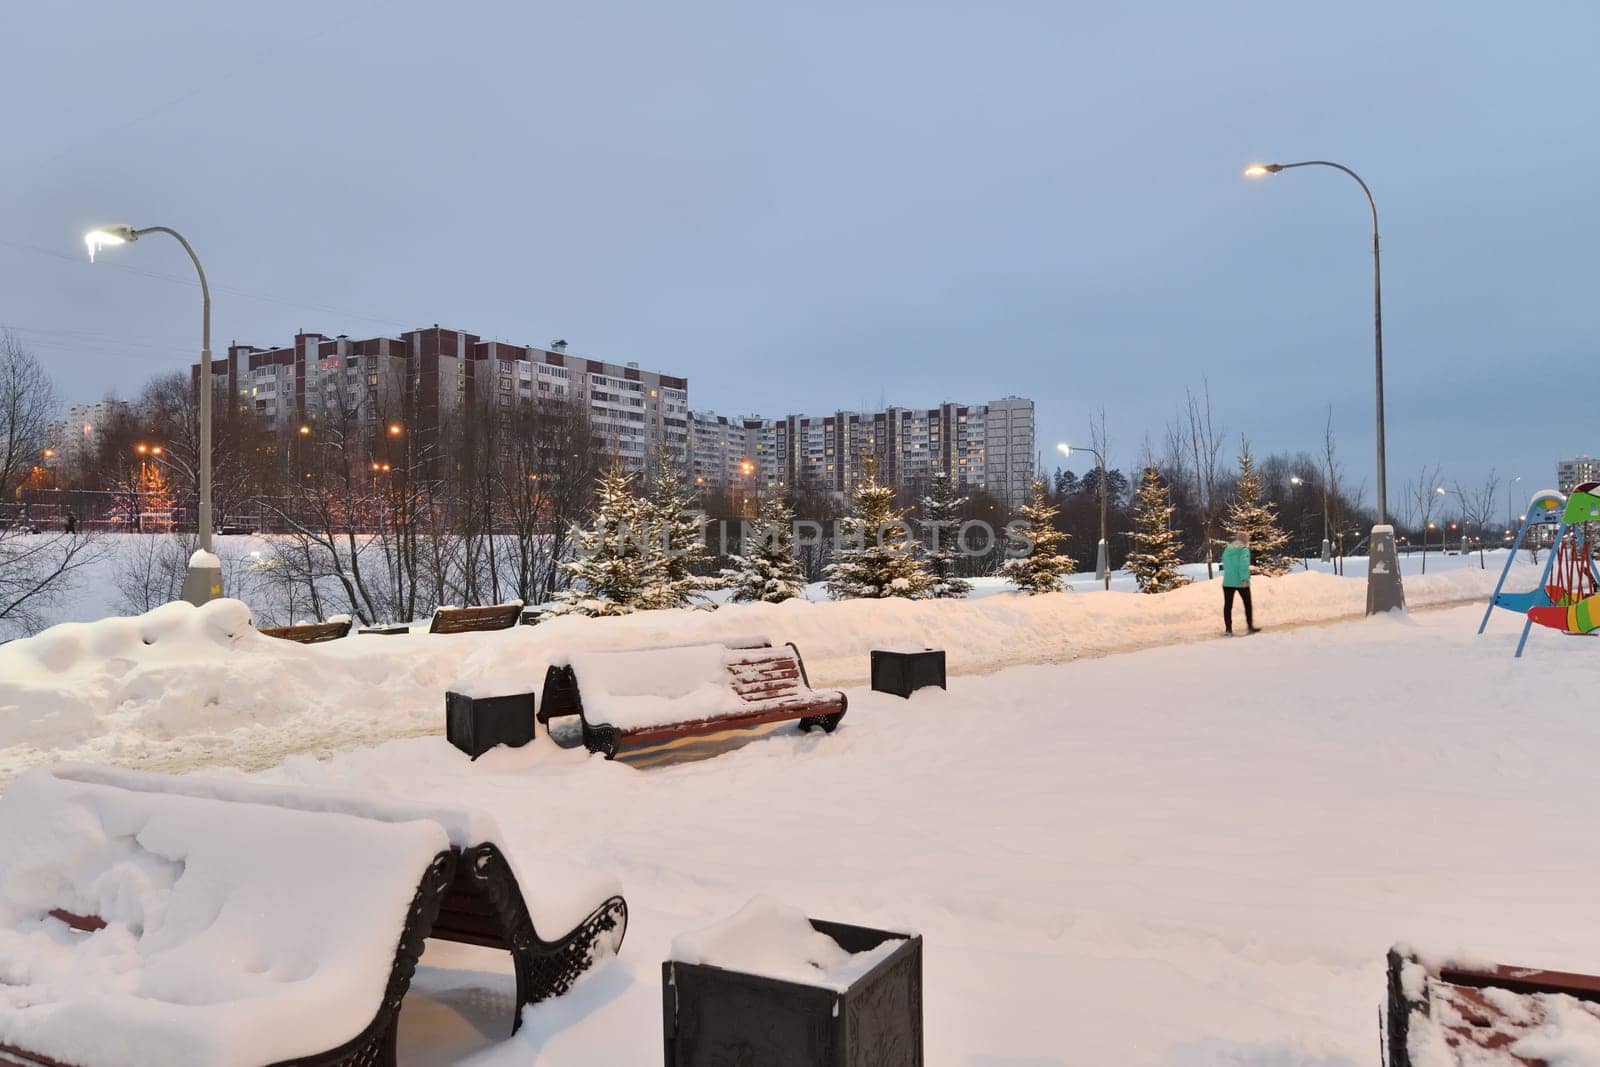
{"type": "Point", "coordinates": [309, 633]}
{"type": "Point", "coordinates": [475, 619]}
{"type": "Point", "coordinates": [645, 735]}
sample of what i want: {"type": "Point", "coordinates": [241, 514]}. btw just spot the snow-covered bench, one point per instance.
{"type": "Point", "coordinates": [472, 620]}
{"type": "Point", "coordinates": [560, 695]}
{"type": "Point", "coordinates": [640, 696]}
{"type": "Point", "coordinates": [1443, 1012]}
{"type": "Point", "coordinates": [311, 633]}
{"type": "Point", "coordinates": [163, 921]}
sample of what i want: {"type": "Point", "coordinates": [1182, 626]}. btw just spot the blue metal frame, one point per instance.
{"type": "Point", "coordinates": [1537, 597]}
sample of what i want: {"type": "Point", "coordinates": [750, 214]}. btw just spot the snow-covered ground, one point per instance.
{"type": "Point", "coordinates": [1193, 855]}
{"type": "Point", "coordinates": [94, 591]}
{"type": "Point", "coordinates": [177, 688]}
{"type": "Point", "coordinates": [1123, 843]}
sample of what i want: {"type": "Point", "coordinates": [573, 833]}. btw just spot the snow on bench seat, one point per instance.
{"type": "Point", "coordinates": [1459, 1014]}
{"type": "Point", "coordinates": [559, 895]}
{"type": "Point", "coordinates": [235, 933]}
{"type": "Point", "coordinates": [652, 694]}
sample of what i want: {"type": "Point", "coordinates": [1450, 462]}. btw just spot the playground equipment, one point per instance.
{"type": "Point", "coordinates": [1566, 596]}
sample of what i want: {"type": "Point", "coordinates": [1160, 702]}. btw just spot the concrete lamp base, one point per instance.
{"type": "Point", "coordinates": [1384, 590]}
{"type": "Point", "coordinates": [203, 581]}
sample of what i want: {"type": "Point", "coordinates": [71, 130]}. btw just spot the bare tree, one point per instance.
{"type": "Point", "coordinates": [27, 404]}
{"type": "Point", "coordinates": [1478, 507]}
{"type": "Point", "coordinates": [547, 477]}
{"type": "Point", "coordinates": [1197, 426]}
{"type": "Point", "coordinates": [1424, 496]}
{"type": "Point", "coordinates": [1332, 478]}
{"type": "Point", "coordinates": [35, 571]}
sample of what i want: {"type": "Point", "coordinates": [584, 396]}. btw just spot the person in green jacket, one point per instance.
{"type": "Point", "coordinates": [1236, 580]}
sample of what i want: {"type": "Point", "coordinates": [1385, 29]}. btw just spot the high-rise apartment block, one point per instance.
{"type": "Point", "coordinates": [981, 446]}
{"type": "Point", "coordinates": [427, 376]}
{"type": "Point", "coordinates": [1571, 473]}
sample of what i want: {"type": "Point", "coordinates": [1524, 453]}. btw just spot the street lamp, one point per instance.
{"type": "Point", "coordinates": [1511, 500]}
{"type": "Point", "coordinates": [1102, 561]}
{"type": "Point", "coordinates": [1384, 589]}
{"type": "Point", "coordinates": [204, 578]}
{"type": "Point", "coordinates": [1327, 545]}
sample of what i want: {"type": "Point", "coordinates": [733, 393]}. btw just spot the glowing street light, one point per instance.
{"type": "Point", "coordinates": [305, 431]}
{"type": "Point", "coordinates": [395, 429]}
{"type": "Point", "coordinates": [204, 578]}
{"type": "Point", "coordinates": [1384, 589]}
{"type": "Point", "coordinates": [1102, 560]}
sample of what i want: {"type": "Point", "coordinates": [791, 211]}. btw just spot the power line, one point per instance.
{"type": "Point", "coordinates": [208, 86]}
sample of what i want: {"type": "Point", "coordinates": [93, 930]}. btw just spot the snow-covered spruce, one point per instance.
{"type": "Point", "coordinates": [675, 538]}
{"type": "Point", "coordinates": [874, 556]}
{"type": "Point", "coordinates": [941, 516]}
{"type": "Point", "coordinates": [1250, 513]}
{"type": "Point", "coordinates": [768, 570]}
{"type": "Point", "coordinates": [612, 572]}
{"type": "Point", "coordinates": [1157, 551]}
{"type": "Point", "coordinates": [1041, 569]}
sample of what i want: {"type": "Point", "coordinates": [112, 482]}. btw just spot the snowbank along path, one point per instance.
{"type": "Point", "coordinates": [178, 688]}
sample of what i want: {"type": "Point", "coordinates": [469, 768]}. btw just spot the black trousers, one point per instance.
{"type": "Point", "coordinates": [1227, 607]}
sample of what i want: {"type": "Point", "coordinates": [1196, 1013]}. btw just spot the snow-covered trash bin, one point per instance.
{"type": "Point", "coordinates": [480, 715]}
{"type": "Point", "coordinates": [770, 986]}
{"type": "Point", "coordinates": [902, 671]}
{"type": "Point", "coordinates": [1458, 1013]}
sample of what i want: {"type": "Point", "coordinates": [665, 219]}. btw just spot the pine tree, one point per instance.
{"type": "Point", "coordinates": [674, 539]}
{"type": "Point", "coordinates": [874, 555]}
{"type": "Point", "coordinates": [941, 515]}
{"type": "Point", "coordinates": [768, 571]}
{"type": "Point", "coordinates": [1041, 570]}
{"type": "Point", "coordinates": [1157, 550]}
{"type": "Point", "coordinates": [612, 573]}
{"type": "Point", "coordinates": [1251, 514]}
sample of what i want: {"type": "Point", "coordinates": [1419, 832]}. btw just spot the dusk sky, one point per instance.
{"type": "Point", "coordinates": [811, 207]}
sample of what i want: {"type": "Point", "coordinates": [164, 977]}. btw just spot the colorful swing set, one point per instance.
{"type": "Point", "coordinates": [1567, 597]}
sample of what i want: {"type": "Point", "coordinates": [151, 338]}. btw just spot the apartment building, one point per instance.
{"type": "Point", "coordinates": [426, 377]}
{"type": "Point", "coordinates": [981, 446]}
{"type": "Point", "coordinates": [71, 441]}
{"type": "Point", "coordinates": [1571, 473]}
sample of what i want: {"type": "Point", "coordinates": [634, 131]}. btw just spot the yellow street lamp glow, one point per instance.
{"type": "Point", "coordinates": [305, 431]}
{"type": "Point", "coordinates": [395, 429]}
{"type": "Point", "coordinates": [1261, 170]}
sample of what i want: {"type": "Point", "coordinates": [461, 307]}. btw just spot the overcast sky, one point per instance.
{"type": "Point", "coordinates": [804, 207]}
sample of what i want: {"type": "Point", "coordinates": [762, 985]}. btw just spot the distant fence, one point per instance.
{"type": "Point", "coordinates": [103, 511]}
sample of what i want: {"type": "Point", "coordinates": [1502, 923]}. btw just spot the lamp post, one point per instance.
{"type": "Point", "coordinates": [204, 578]}
{"type": "Point", "coordinates": [1102, 560]}
{"type": "Point", "coordinates": [1327, 553]}
{"type": "Point", "coordinates": [1384, 589]}
{"type": "Point", "coordinates": [1511, 501]}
